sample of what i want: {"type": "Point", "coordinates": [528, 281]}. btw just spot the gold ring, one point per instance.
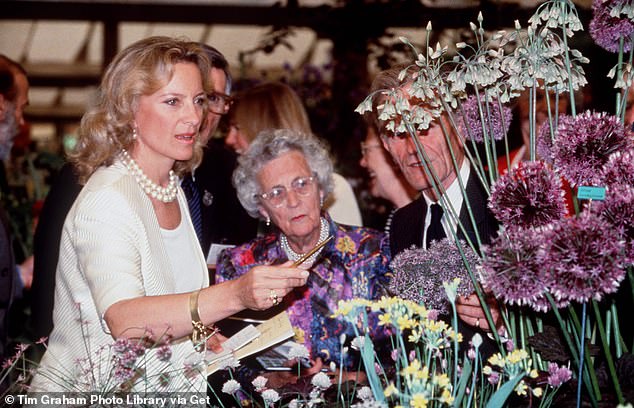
{"type": "Point", "coordinates": [477, 323]}
{"type": "Point", "coordinates": [274, 298]}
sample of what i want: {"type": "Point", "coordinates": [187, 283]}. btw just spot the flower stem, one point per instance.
{"type": "Point", "coordinates": [608, 354]}
{"type": "Point", "coordinates": [582, 347]}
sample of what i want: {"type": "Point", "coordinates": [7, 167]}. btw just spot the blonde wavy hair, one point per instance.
{"type": "Point", "coordinates": [140, 69]}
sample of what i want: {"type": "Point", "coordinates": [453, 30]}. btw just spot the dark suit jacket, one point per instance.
{"type": "Point", "coordinates": [224, 219]}
{"type": "Point", "coordinates": [408, 223]}
{"type": "Point", "coordinates": [7, 276]}
{"type": "Point", "coordinates": [48, 233]}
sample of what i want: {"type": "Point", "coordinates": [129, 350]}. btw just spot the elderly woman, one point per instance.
{"type": "Point", "coordinates": [131, 274]}
{"type": "Point", "coordinates": [275, 105]}
{"type": "Point", "coordinates": [284, 177]}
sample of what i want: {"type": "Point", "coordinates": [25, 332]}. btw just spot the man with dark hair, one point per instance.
{"type": "Point", "coordinates": [222, 218]}
{"type": "Point", "coordinates": [13, 98]}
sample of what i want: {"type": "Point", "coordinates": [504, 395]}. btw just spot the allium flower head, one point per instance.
{"type": "Point", "coordinates": [298, 351]}
{"type": "Point", "coordinates": [583, 257]}
{"type": "Point", "coordinates": [259, 383]}
{"type": "Point", "coordinates": [419, 274]}
{"type": "Point", "coordinates": [321, 380]}
{"type": "Point", "coordinates": [529, 195]}
{"type": "Point", "coordinates": [607, 29]}
{"type": "Point", "coordinates": [270, 396]}
{"type": "Point", "coordinates": [511, 269]}
{"type": "Point", "coordinates": [618, 210]}
{"type": "Point", "coordinates": [584, 144]}
{"type": "Point", "coordinates": [544, 143]}
{"type": "Point", "coordinates": [619, 169]}
{"type": "Point", "coordinates": [558, 375]}
{"type": "Point", "coordinates": [496, 124]}
{"type": "Point", "coordinates": [231, 387]}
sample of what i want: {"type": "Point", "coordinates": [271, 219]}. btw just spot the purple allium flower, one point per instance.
{"type": "Point", "coordinates": [619, 169]}
{"type": "Point", "coordinates": [584, 145]}
{"type": "Point", "coordinates": [494, 377]}
{"type": "Point", "coordinates": [419, 274]}
{"type": "Point", "coordinates": [607, 30]}
{"type": "Point", "coordinates": [529, 195]}
{"type": "Point", "coordinates": [497, 125]}
{"type": "Point", "coordinates": [558, 375]}
{"type": "Point", "coordinates": [544, 143]}
{"type": "Point", "coordinates": [618, 210]}
{"type": "Point", "coordinates": [584, 258]}
{"type": "Point", "coordinates": [512, 270]}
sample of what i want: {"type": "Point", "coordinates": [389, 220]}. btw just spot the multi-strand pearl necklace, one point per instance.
{"type": "Point", "coordinates": [165, 194]}
{"type": "Point", "coordinates": [294, 256]}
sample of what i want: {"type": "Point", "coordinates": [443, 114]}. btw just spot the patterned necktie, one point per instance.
{"type": "Point", "coordinates": [435, 231]}
{"type": "Point", "coordinates": [193, 202]}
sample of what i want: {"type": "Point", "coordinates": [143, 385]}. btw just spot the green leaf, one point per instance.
{"type": "Point", "coordinates": [497, 400]}
{"type": "Point", "coordinates": [465, 378]}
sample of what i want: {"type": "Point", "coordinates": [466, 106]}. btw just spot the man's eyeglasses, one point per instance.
{"type": "Point", "coordinates": [277, 196]}
{"type": "Point", "coordinates": [219, 103]}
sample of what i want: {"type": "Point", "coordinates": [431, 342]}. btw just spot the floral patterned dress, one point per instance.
{"type": "Point", "coordinates": [353, 265]}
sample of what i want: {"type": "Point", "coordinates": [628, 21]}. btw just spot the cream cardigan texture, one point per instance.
{"type": "Point", "coordinates": [111, 250]}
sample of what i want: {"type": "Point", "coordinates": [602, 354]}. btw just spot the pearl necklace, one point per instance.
{"type": "Point", "coordinates": [294, 256]}
{"type": "Point", "coordinates": [165, 194]}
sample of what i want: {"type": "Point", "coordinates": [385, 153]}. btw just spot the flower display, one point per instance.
{"type": "Point", "coordinates": [529, 195]}
{"type": "Point", "coordinates": [419, 273]}
{"type": "Point", "coordinates": [585, 143]}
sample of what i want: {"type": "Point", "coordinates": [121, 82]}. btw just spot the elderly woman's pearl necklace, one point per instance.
{"type": "Point", "coordinates": [165, 194]}
{"type": "Point", "coordinates": [294, 256]}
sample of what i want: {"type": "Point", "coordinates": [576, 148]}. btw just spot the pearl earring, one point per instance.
{"type": "Point", "coordinates": [134, 133]}
{"type": "Point", "coordinates": [268, 221]}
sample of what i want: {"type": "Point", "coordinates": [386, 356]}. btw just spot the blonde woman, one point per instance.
{"type": "Point", "coordinates": [130, 265]}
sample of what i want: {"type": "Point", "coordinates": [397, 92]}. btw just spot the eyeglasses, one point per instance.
{"type": "Point", "coordinates": [365, 147]}
{"type": "Point", "coordinates": [219, 103]}
{"type": "Point", "coordinates": [277, 196]}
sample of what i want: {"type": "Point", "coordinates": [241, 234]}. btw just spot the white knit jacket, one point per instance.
{"type": "Point", "coordinates": [111, 250]}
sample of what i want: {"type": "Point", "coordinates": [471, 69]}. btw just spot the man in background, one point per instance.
{"type": "Point", "coordinates": [14, 89]}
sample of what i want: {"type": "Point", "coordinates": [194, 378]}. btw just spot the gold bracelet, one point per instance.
{"type": "Point", "coordinates": [200, 332]}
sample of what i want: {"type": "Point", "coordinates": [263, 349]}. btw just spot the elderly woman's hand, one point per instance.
{"type": "Point", "coordinates": [265, 286]}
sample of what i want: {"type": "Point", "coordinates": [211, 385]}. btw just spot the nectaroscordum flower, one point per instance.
{"type": "Point", "coordinates": [529, 195]}
{"type": "Point", "coordinates": [585, 143]}
{"type": "Point", "coordinates": [584, 258]}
